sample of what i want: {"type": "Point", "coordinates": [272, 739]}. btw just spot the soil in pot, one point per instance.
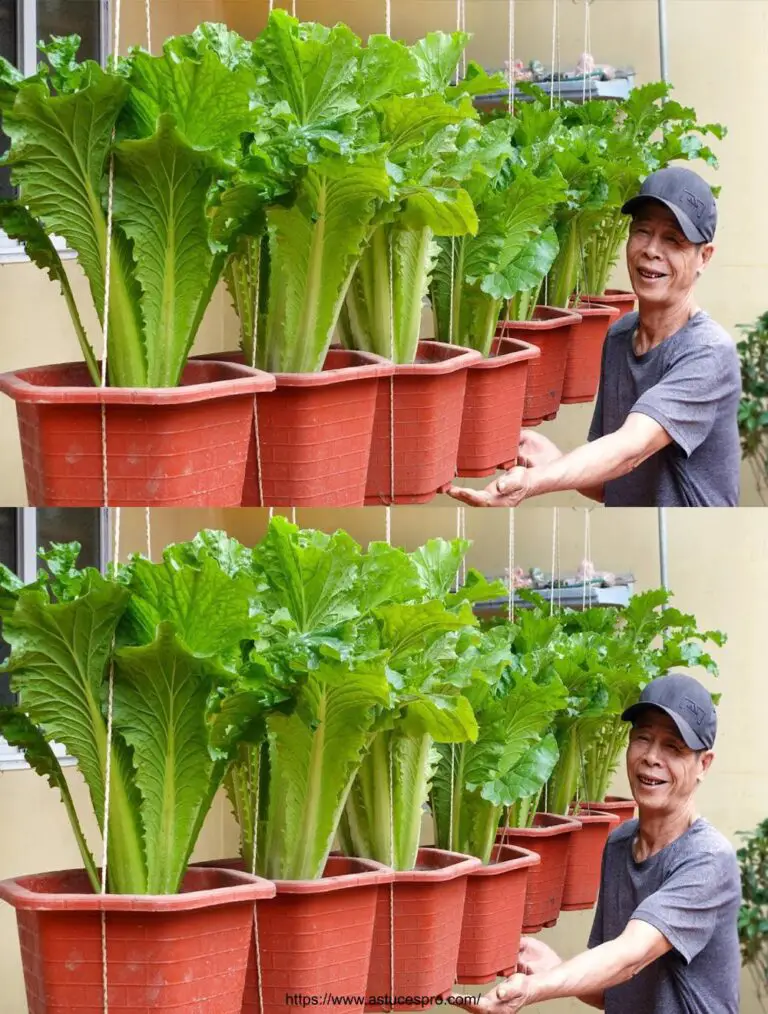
{"type": "Point", "coordinates": [166, 447]}
{"type": "Point", "coordinates": [315, 938]}
{"type": "Point", "coordinates": [183, 952]}
{"type": "Point", "coordinates": [582, 876]}
{"type": "Point", "coordinates": [625, 809]}
{"type": "Point", "coordinates": [418, 922]}
{"type": "Point", "coordinates": [550, 837]}
{"type": "Point", "coordinates": [315, 434]}
{"type": "Point", "coordinates": [582, 372]}
{"type": "Point", "coordinates": [493, 915]}
{"type": "Point", "coordinates": [550, 331]}
{"type": "Point", "coordinates": [416, 458]}
{"type": "Point", "coordinates": [493, 408]}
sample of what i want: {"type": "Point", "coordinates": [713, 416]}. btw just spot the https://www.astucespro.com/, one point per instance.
{"type": "Point", "coordinates": [302, 1000]}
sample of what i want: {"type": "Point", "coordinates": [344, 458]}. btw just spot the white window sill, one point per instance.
{"type": "Point", "coordinates": [12, 759]}
{"type": "Point", "coordinates": [12, 252]}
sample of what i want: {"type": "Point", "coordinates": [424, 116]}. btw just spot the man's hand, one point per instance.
{"type": "Point", "coordinates": [508, 490]}
{"type": "Point", "coordinates": [536, 449]}
{"type": "Point", "coordinates": [535, 957]}
{"type": "Point", "coordinates": [508, 997]}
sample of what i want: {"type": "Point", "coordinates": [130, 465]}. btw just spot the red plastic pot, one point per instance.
{"type": "Point", "coordinates": [493, 915]}
{"type": "Point", "coordinates": [182, 952]}
{"type": "Point", "coordinates": [177, 446]}
{"type": "Point", "coordinates": [493, 408]}
{"type": "Point", "coordinates": [625, 809]}
{"type": "Point", "coordinates": [582, 372]}
{"type": "Point", "coordinates": [419, 919]}
{"type": "Point", "coordinates": [315, 938]}
{"type": "Point", "coordinates": [550, 837]}
{"type": "Point", "coordinates": [315, 433]}
{"type": "Point", "coordinates": [625, 302]}
{"type": "Point", "coordinates": [428, 399]}
{"type": "Point", "coordinates": [550, 330]}
{"type": "Point", "coordinates": [582, 875]}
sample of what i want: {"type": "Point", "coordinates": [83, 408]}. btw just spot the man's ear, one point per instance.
{"type": "Point", "coordinates": [706, 760]}
{"type": "Point", "coordinates": [706, 252]}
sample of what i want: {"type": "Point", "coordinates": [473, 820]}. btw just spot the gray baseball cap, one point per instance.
{"type": "Point", "coordinates": [688, 197]}
{"type": "Point", "coordinates": [687, 703]}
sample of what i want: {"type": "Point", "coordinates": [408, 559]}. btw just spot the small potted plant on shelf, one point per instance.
{"type": "Point", "coordinates": [93, 148]}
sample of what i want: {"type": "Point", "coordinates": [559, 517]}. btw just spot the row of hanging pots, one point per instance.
{"type": "Point", "coordinates": [362, 430]}
{"type": "Point", "coordinates": [390, 939]}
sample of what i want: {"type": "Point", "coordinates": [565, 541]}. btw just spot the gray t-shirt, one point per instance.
{"type": "Point", "coordinates": [691, 892]}
{"type": "Point", "coordinates": [691, 385]}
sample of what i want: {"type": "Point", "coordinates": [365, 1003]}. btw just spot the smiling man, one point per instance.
{"type": "Point", "coordinates": [664, 431]}
{"type": "Point", "coordinates": [664, 938]}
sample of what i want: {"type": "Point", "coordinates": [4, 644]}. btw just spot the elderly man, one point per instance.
{"type": "Point", "coordinates": [664, 938]}
{"type": "Point", "coordinates": [664, 432]}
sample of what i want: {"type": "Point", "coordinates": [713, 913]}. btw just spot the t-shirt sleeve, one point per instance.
{"type": "Point", "coordinates": [687, 398]}
{"type": "Point", "coordinates": [687, 905]}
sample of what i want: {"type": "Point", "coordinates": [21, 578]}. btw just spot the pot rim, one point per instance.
{"type": "Point", "coordinates": [237, 887]}
{"type": "Point", "coordinates": [371, 874]}
{"type": "Point", "coordinates": [554, 317]}
{"type": "Point", "coordinates": [236, 380]}
{"type": "Point", "coordinates": [370, 366]}
{"type": "Point", "coordinates": [520, 352]}
{"type": "Point", "coordinates": [559, 825]}
{"type": "Point", "coordinates": [522, 860]}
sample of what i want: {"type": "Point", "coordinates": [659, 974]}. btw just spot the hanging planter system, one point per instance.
{"type": "Point", "coordinates": [493, 408]}
{"type": "Point", "coordinates": [551, 838]}
{"type": "Point", "coordinates": [165, 447]}
{"type": "Point", "coordinates": [420, 442]}
{"type": "Point", "coordinates": [421, 931]}
{"type": "Point", "coordinates": [582, 372]}
{"type": "Point", "coordinates": [164, 952]}
{"type": "Point", "coordinates": [493, 915]}
{"type": "Point", "coordinates": [315, 433]}
{"type": "Point", "coordinates": [582, 876]}
{"type": "Point", "coordinates": [551, 331]}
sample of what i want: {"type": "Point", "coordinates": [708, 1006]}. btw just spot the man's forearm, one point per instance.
{"type": "Point", "coordinates": [586, 469]}
{"type": "Point", "coordinates": [586, 976]}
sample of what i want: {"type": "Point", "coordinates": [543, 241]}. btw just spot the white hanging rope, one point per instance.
{"type": "Point", "coordinates": [587, 552]}
{"type": "Point", "coordinates": [554, 562]}
{"type": "Point", "coordinates": [148, 18]}
{"type": "Point", "coordinates": [293, 8]}
{"type": "Point", "coordinates": [554, 53]}
{"type": "Point", "coordinates": [511, 564]}
{"type": "Point", "coordinates": [587, 46]}
{"type": "Point", "coordinates": [511, 57]}
{"type": "Point", "coordinates": [148, 531]}
{"type": "Point", "coordinates": [256, 797]}
{"type": "Point", "coordinates": [293, 516]}
{"type": "Point", "coordinates": [392, 359]}
{"type": "Point", "coordinates": [255, 338]}
{"type": "Point", "coordinates": [463, 28]}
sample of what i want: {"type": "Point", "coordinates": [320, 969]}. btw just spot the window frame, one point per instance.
{"type": "Point", "coordinates": [11, 758]}
{"type": "Point", "coordinates": [11, 251]}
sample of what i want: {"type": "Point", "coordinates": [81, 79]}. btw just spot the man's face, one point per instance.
{"type": "Point", "coordinates": [663, 265]}
{"type": "Point", "coordinates": [663, 772]}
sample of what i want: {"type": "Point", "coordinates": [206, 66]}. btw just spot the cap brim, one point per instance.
{"type": "Point", "coordinates": [689, 230]}
{"type": "Point", "coordinates": [688, 736]}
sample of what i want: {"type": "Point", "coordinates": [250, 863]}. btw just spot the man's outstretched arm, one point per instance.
{"type": "Point", "coordinates": [587, 976]}
{"type": "Point", "coordinates": [586, 469]}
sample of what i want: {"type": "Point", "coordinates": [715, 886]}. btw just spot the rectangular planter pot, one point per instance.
{"type": "Point", "coordinates": [625, 302]}
{"type": "Point", "coordinates": [419, 919]}
{"type": "Point", "coordinates": [315, 937]}
{"type": "Point", "coordinates": [582, 372]}
{"type": "Point", "coordinates": [550, 837]}
{"type": "Point", "coordinates": [582, 875]}
{"type": "Point", "coordinates": [315, 433]}
{"type": "Point", "coordinates": [428, 399]}
{"type": "Point", "coordinates": [551, 331]}
{"type": "Point", "coordinates": [182, 952]}
{"type": "Point", "coordinates": [493, 407]}
{"type": "Point", "coordinates": [180, 446]}
{"type": "Point", "coordinates": [625, 809]}
{"type": "Point", "coordinates": [493, 915]}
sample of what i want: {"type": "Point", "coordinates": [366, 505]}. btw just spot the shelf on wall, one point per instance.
{"type": "Point", "coordinates": [572, 597]}
{"type": "Point", "coordinates": [572, 90]}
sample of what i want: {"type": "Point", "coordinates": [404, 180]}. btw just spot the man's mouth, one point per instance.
{"type": "Point", "coordinates": [650, 276]}
{"type": "Point", "coordinates": [650, 783]}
